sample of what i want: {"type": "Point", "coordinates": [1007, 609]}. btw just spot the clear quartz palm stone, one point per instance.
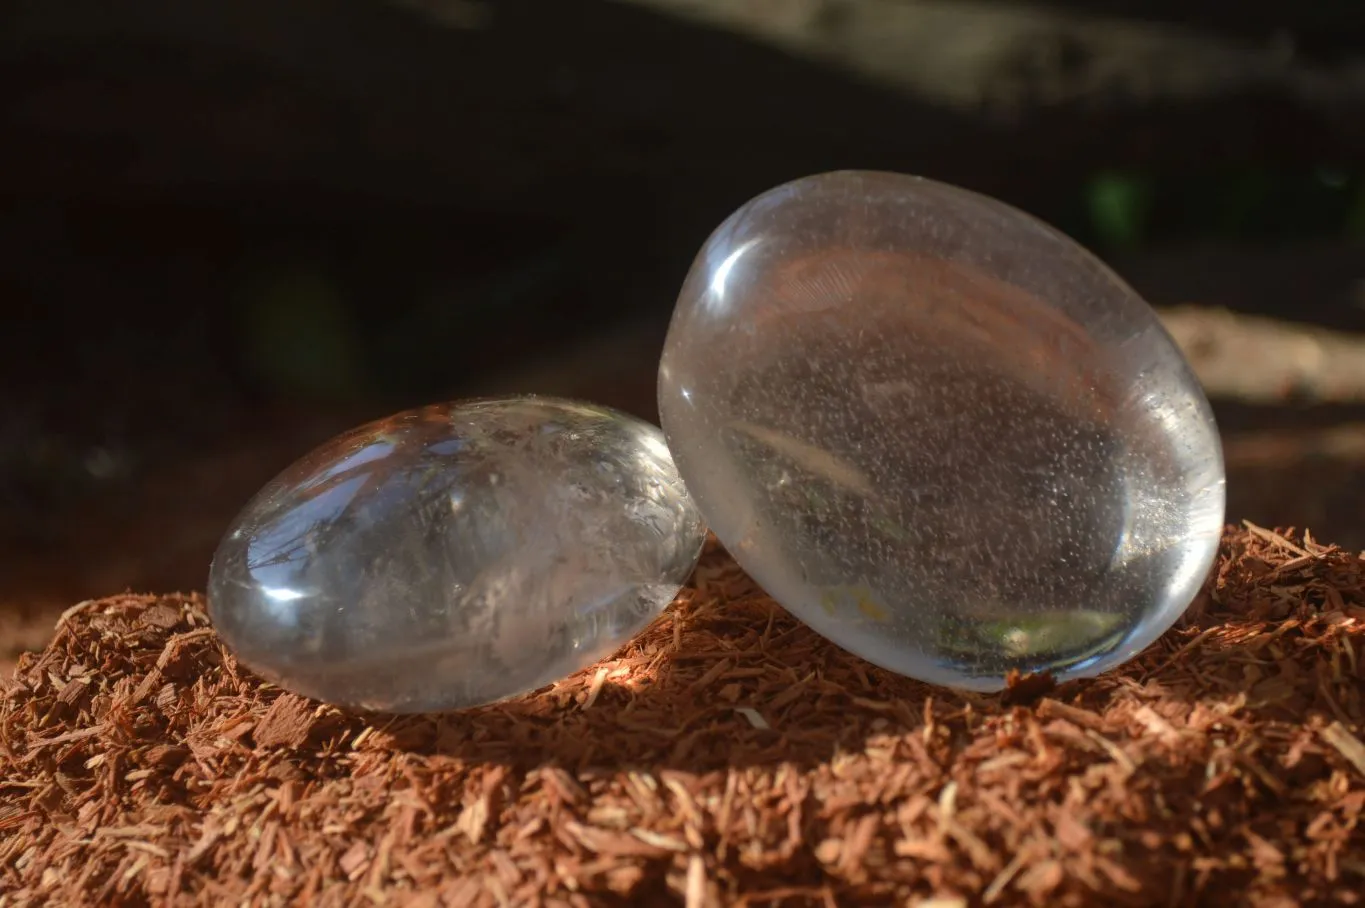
{"type": "Point", "coordinates": [940, 432]}
{"type": "Point", "coordinates": [456, 554]}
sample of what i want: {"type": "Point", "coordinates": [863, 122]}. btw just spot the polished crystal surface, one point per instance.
{"type": "Point", "coordinates": [456, 555]}
{"type": "Point", "coordinates": [940, 432]}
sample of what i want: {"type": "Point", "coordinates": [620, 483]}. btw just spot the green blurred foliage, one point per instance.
{"type": "Point", "coordinates": [1120, 205]}
{"type": "Point", "coordinates": [1234, 202]}
{"type": "Point", "coordinates": [1126, 211]}
{"type": "Point", "coordinates": [1355, 219]}
{"type": "Point", "coordinates": [409, 352]}
{"type": "Point", "coordinates": [299, 336]}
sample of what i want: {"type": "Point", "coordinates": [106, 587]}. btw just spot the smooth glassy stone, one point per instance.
{"type": "Point", "coordinates": [939, 431]}
{"type": "Point", "coordinates": [456, 554]}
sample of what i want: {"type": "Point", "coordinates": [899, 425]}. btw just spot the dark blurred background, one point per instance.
{"type": "Point", "coordinates": [232, 228]}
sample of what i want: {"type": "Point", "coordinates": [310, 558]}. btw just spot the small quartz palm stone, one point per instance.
{"type": "Point", "coordinates": [456, 555]}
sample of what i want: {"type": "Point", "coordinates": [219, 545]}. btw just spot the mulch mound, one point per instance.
{"type": "Point", "coordinates": [727, 757]}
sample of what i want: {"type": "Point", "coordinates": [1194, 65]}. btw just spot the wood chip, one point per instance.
{"type": "Point", "coordinates": [753, 717]}
{"type": "Point", "coordinates": [287, 722]}
{"type": "Point", "coordinates": [696, 883]}
{"type": "Point", "coordinates": [595, 688]}
{"type": "Point", "coordinates": [1051, 709]}
{"type": "Point", "coordinates": [1347, 744]}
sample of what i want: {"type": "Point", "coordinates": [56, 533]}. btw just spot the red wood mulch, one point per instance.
{"type": "Point", "coordinates": [726, 757]}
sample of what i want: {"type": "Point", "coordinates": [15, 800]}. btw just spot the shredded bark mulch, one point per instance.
{"type": "Point", "coordinates": [728, 756]}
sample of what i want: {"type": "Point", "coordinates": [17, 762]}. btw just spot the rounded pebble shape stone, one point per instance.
{"type": "Point", "coordinates": [940, 432]}
{"type": "Point", "coordinates": [456, 555]}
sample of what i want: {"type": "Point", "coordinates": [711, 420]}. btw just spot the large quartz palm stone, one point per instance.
{"type": "Point", "coordinates": [940, 432]}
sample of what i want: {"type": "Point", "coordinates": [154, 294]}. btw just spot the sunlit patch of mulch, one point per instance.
{"type": "Point", "coordinates": [727, 757]}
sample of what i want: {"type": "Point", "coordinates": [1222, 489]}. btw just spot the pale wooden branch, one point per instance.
{"type": "Point", "coordinates": [1266, 361]}
{"type": "Point", "coordinates": [1010, 57]}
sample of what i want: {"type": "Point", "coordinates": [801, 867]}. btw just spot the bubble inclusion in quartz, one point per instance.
{"type": "Point", "coordinates": [940, 432]}
{"type": "Point", "coordinates": [456, 555]}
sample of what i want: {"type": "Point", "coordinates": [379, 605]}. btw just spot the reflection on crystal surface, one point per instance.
{"type": "Point", "coordinates": [455, 555]}
{"type": "Point", "coordinates": [940, 432]}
